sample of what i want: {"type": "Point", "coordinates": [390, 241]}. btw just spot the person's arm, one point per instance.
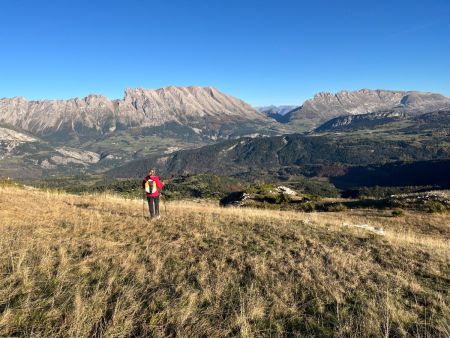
{"type": "Point", "coordinates": [143, 183]}
{"type": "Point", "coordinates": [159, 184]}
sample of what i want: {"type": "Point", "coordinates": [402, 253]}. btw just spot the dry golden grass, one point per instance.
{"type": "Point", "coordinates": [88, 266]}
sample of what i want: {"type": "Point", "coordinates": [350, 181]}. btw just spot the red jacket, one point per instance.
{"type": "Point", "coordinates": [159, 185]}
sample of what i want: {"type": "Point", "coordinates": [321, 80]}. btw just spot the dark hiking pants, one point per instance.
{"type": "Point", "coordinates": [153, 206]}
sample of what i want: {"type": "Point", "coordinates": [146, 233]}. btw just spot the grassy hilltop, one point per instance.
{"type": "Point", "coordinates": [83, 266]}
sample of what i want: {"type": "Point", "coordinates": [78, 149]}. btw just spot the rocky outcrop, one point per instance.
{"type": "Point", "coordinates": [261, 196]}
{"type": "Point", "coordinates": [431, 201]}
{"type": "Point", "coordinates": [20, 146]}
{"type": "Point", "coordinates": [85, 157]}
{"type": "Point", "coordinates": [11, 139]}
{"type": "Point", "coordinates": [360, 121]}
{"type": "Point", "coordinates": [437, 122]}
{"type": "Point", "coordinates": [325, 106]}
{"type": "Point", "coordinates": [7, 134]}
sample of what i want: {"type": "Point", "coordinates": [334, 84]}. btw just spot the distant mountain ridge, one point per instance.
{"type": "Point", "coordinates": [280, 110]}
{"type": "Point", "coordinates": [197, 107]}
{"type": "Point", "coordinates": [325, 106]}
{"type": "Point", "coordinates": [205, 110]}
{"type": "Point", "coordinates": [278, 113]}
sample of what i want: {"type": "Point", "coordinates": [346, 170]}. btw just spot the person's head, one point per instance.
{"type": "Point", "coordinates": [151, 172]}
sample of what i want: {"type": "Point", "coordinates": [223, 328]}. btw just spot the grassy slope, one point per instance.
{"type": "Point", "coordinates": [92, 266]}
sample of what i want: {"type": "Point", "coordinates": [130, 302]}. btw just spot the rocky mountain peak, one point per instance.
{"type": "Point", "coordinates": [324, 106]}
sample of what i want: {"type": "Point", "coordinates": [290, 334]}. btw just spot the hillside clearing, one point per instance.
{"type": "Point", "coordinates": [92, 266]}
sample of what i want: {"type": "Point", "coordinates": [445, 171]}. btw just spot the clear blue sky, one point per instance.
{"type": "Point", "coordinates": [262, 51]}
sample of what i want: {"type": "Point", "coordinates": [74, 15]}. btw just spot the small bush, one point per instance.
{"type": "Point", "coordinates": [336, 207]}
{"type": "Point", "coordinates": [284, 198]}
{"type": "Point", "coordinates": [397, 212]}
{"type": "Point", "coordinates": [435, 206]}
{"type": "Point", "coordinates": [307, 207]}
{"type": "Point", "coordinates": [7, 182]}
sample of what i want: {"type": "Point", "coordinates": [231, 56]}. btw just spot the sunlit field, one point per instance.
{"type": "Point", "coordinates": [93, 266]}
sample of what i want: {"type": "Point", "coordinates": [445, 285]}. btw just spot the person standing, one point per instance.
{"type": "Point", "coordinates": [152, 187]}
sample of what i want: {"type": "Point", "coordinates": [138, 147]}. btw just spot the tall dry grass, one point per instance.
{"type": "Point", "coordinates": [92, 266]}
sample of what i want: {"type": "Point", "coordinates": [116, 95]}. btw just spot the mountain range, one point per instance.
{"type": "Point", "coordinates": [201, 109]}
{"type": "Point", "coordinates": [95, 133]}
{"type": "Point", "coordinates": [325, 106]}
{"type": "Point", "coordinates": [205, 110]}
